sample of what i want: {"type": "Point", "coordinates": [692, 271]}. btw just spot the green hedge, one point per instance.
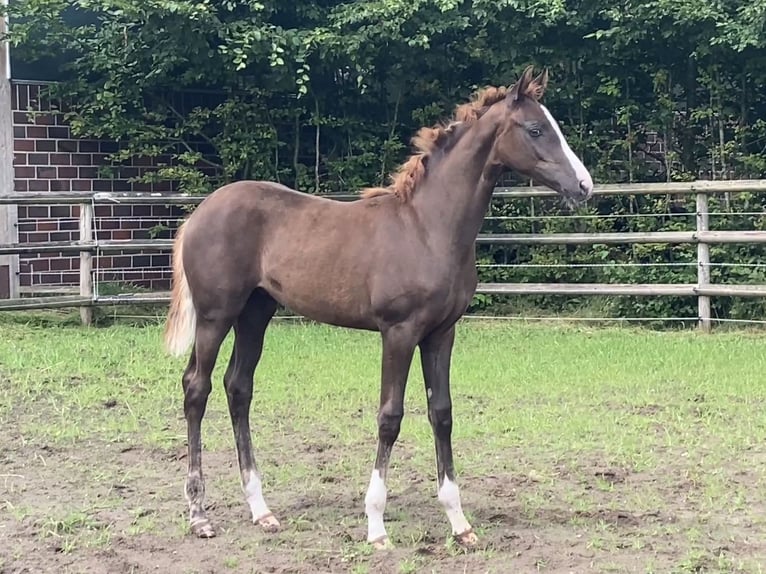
{"type": "Point", "coordinates": [323, 96]}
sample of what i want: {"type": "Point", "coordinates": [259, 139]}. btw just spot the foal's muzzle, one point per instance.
{"type": "Point", "coordinates": [586, 188]}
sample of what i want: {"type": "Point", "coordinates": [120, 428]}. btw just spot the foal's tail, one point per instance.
{"type": "Point", "coordinates": [182, 317]}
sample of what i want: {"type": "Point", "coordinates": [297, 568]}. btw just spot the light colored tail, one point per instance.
{"type": "Point", "coordinates": [182, 317]}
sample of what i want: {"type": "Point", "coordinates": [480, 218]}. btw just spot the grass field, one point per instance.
{"type": "Point", "coordinates": [577, 450]}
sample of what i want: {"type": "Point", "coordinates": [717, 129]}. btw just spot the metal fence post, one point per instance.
{"type": "Point", "coordinates": [86, 261]}
{"type": "Point", "coordinates": [703, 263]}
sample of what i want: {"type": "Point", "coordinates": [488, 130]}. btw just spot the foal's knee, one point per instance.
{"type": "Point", "coordinates": [194, 487]}
{"type": "Point", "coordinates": [389, 423]}
{"type": "Point", "coordinates": [441, 419]}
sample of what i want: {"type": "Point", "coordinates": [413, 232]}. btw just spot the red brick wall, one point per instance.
{"type": "Point", "coordinates": [47, 158]}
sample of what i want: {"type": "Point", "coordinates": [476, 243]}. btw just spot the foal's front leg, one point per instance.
{"type": "Point", "coordinates": [398, 347]}
{"type": "Point", "coordinates": [435, 355]}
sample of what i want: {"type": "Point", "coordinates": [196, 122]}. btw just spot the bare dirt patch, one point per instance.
{"type": "Point", "coordinates": [114, 508]}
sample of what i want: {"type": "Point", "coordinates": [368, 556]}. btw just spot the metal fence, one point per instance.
{"type": "Point", "coordinates": [88, 296]}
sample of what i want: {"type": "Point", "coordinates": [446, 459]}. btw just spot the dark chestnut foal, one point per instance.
{"type": "Point", "coordinates": [400, 261]}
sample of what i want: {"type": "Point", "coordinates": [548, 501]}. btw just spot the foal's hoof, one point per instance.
{"type": "Point", "coordinates": [269, 523]}
{"type": "Point", "coordinates": [382, 543]}
{"type": "Point", "coordinates": [467, 539]}
{"type": "Point", "coordinates": [202, 528]}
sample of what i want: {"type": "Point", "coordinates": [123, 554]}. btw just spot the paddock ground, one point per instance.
{"type": "Point", "coordinates": [577, 450]}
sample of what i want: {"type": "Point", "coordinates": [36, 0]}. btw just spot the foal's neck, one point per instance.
{"type": "Point", "coordinates": [454, 197]}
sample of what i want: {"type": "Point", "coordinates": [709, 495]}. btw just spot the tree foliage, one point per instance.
{"type": "Point", "coordinates": [323, 95]}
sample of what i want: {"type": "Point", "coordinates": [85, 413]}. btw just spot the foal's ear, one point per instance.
{"type": "Point", "coordinates": [521, 86]}
{"type": "Point", "coordinates": [536, 87]}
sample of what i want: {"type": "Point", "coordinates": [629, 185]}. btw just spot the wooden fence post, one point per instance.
{"type": "Point", "coordinates": [703, 263]}
{"type": "Point", "coordinates": [86, 261]}
{"type": "Point", "coordinates": [9, 264]}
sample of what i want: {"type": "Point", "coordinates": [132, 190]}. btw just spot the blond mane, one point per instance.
{"type": "Point", "coordinates": [405, 179]}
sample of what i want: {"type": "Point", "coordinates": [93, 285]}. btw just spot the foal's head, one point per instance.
{"type": "Point", "coordinates": [531, 143]}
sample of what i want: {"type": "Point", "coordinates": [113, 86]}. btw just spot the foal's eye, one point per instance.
{"type": "Point", "coordinates": [535, 132]}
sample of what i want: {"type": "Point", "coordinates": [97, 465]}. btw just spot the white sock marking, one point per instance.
{"type": "Point", "coordinates": [449, 496]}
{"type": "Point", "coordinates": [254, 495]}
{"type": "Point", "coordinates": [580, 171]}
{"type": "Point", "coordinates": [375, 505]}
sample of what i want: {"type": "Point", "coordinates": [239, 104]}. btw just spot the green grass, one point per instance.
{"type": "Point", "coordinates": [576, 424]}
{"type": "Point", "coordinates": [74, 529]}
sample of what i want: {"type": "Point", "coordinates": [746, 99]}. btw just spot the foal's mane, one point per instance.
{"type": "Point", "coordinates": [427, 140]}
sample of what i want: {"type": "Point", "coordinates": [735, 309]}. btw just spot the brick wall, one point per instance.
{"type": "Point", "coordinates": [47, 158]}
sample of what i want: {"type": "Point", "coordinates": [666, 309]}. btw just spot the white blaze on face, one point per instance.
{"type": "Point", "coordinates": [375, 505]}
{"type": "Point", "coordinates": [580, 171]}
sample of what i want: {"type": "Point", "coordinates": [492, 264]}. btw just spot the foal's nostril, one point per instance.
{"type": "Point", "coordinates": [586, 187]}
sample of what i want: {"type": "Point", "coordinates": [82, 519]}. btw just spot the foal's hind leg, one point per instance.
{"type": "Point", "coordinates": [197, 386]}
{"type": "Point", "coordinates": [249, 331]}
{"type": "Point", "coordinates": [435, 354]}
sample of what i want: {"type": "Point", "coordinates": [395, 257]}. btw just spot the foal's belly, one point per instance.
{"type": "Point", "coordinates": [326, 309]}
{"type": "Point", "coordinates": [324, 292]}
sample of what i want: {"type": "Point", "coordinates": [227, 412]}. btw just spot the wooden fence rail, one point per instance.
{"type": "Point", "coordinates": [703, 290]}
